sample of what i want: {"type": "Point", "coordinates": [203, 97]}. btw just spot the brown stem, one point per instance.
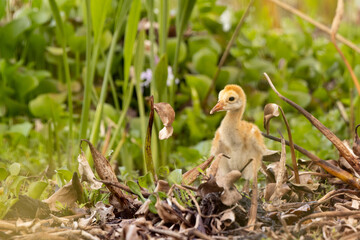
{"type": "Point", "coordinates": [344, 151]}
{"type": "Point", "coordinates": [148, 153]}
{"type": "Point", "coordinates": [226, 53]}
{"type": "Point", "coordinates": [334, 29]}
{"type": "Point", "coordinates": [292, 150]}
{"type": "Point", "coordinates": [320, 26]}
{"type": "Point", "coordinates": [331, 169]}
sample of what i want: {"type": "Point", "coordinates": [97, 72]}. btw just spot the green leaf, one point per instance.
{"type": "Point", "coordinates": [16, 184]}
{"type": "Point", "coordinates": [163, 171]}
{"type": "Point", "coordinates": [171, 48]}
{"type": "Point", "coordinates": [175, 177]}
{"type": "Point", "coordinates": [161, 74]}
{"type": "Point", "coordinates": [14, 169]}
{"type": "Point", "coordinates": [46, 106]}
{"type": "Point", "coordinates": [2, 8]}
{"type": "Point", "coordinates": [205, 62]}
{"type": "Point", "coordinates": [36, 189]}
{"type": "Point", "coordinates": [134, 187]}
{"type": "Point", "coordinates": [3, 174]}
{"type": "Point", "coordinates": [130, 34]}
{"type": "Point", "coordinates": [22, 128]}
{"type": "Point", "coordinates": [207, 41]}
{"type": "Point", "coordinates": [199, 82]}
{"type": "Point", "coordinates": [99, 10]}
{"type": "Point", "coordinates": [147, 182]}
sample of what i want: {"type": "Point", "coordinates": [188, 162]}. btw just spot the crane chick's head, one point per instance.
{"type": "Point", "coordinates": [231, 98]}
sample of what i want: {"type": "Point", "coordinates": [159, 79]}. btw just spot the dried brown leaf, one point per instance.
{"type": "Point", "coordinates": [167, 116]}
{"type": "Point", "coordinates": [209, 187]}
{"type": "Point", "coordinates": [229, 179]}
{"type": "Point", "coordinates": [105, 172]}
{"type": "Point", "coordinates": [271, 156]}
{"type": "Point", "coordinates": [103, 212]}
{"type": "Point", "coordinates": [165, 213]}
{"type": "Point", "coordinates": [228, 218]}
{"type": "Point", "coordinates": [309, 188]}
{"type": "Point", "coordinates": [86, 173]}
{"type": "Point", "coordinates": [271, 110]}
{"type": "Point", "coordinates": [66, 196]}
{"type": "Point", "coordinates": [230, 196]}
{"type": "Point", "coordinates": [190, 176]}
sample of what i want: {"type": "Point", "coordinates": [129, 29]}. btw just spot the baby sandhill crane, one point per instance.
{"type": "Point", "coordinates": [236, 138]}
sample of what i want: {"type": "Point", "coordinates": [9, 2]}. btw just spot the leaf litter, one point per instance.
{"type": "Point", "coordinates": [324, 204]}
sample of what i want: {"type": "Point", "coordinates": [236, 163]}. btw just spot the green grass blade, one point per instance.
{"type": "Point", "coordinates": [98, 10]}
{"type": "Point", "coordinates": [130, 35]}
{"type": "Point", "coordinates": [60, 26]}
{"type": "Point", "coordinates": [163, 25]}
{"type": "Point", "coordinates": [185, 8]}
{"type": "Point", "coordinates": [120, 19]}
{"type": "Point", "coordinates": [139, 65]}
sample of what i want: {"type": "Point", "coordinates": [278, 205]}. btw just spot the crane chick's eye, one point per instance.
{"type": "Point", "coordinates": [231, 99]}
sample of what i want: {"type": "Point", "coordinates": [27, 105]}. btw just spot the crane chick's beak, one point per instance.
{"type": "Point", "coordinates": [218, 107]}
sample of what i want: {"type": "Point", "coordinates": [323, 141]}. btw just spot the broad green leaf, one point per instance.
{"type": "Point", "coordinates": [63, 176]}
{"type": "Point", "coordinates": [147, 182]}
{"type": "Point", "coordinates": [175, 177]}
{"type": "Point", "coordinates": [163, 171]}
{"type": "Point", "coordinates": [36, 189]}
{"type": "Point", "coordinates": [200, 82]}
{"type": "Point", "coordinates": [16, 184]}
{"type": "Point", "coordinates": [22, 128]}
{"type": "Point", "coordinates": [3, 174]}
{"type": "Point", "coordinates": [171, 48]}
{"type": "Point", "coordinates": [207, 41]}
{"type": "Point", "coordinates": [130, 34]}
{"type": "Point", "coordinates": [205, 62]}
{"type": "Point", "coordinates": [46, 106]}
{"type": "Point", "coordinates": [14, 169]}
{"type": "Point", "coordinates": [134, 187]}
{"type": "Point", "coordinates": [161, 74]}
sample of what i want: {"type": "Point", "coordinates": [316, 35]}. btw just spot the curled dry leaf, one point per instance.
{"type": "Point", "coordinates": [208, 187]}
{"type": "Point", "coordinates": [230, 195]}
{"type": "Point", "coordinates": [103, 212]}
{"type": "Point", "coordinates": [66, 195]}
{"type": "Point", "coordinates": [228, 217]}
{"type": "Point", "coordinates": [167, 116]}
{"type": "Point", "coordinates": [86, 173]}
{"type": "Point", "coordinates": [165, 212]}
{"type": "Point", "coordinates": [271, 156]}
{"type": "Point", "coordinates": [229, 179]}
{"type": "Point", "coordinates": [271, 110]}
{"type": "Point", "coordinates": [105, 172]}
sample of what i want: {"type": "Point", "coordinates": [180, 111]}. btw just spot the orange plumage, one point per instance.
{"type": "Point", "coordinates": [236, 138]}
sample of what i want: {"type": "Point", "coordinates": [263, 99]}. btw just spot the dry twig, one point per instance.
{"type": "Point", "coordinates": [320, 26]}
{"type": "Point", "coordinates": [344, 151]}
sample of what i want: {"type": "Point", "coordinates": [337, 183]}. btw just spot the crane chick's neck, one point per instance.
{"type": "Point", "coordinates": [234, 116]}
